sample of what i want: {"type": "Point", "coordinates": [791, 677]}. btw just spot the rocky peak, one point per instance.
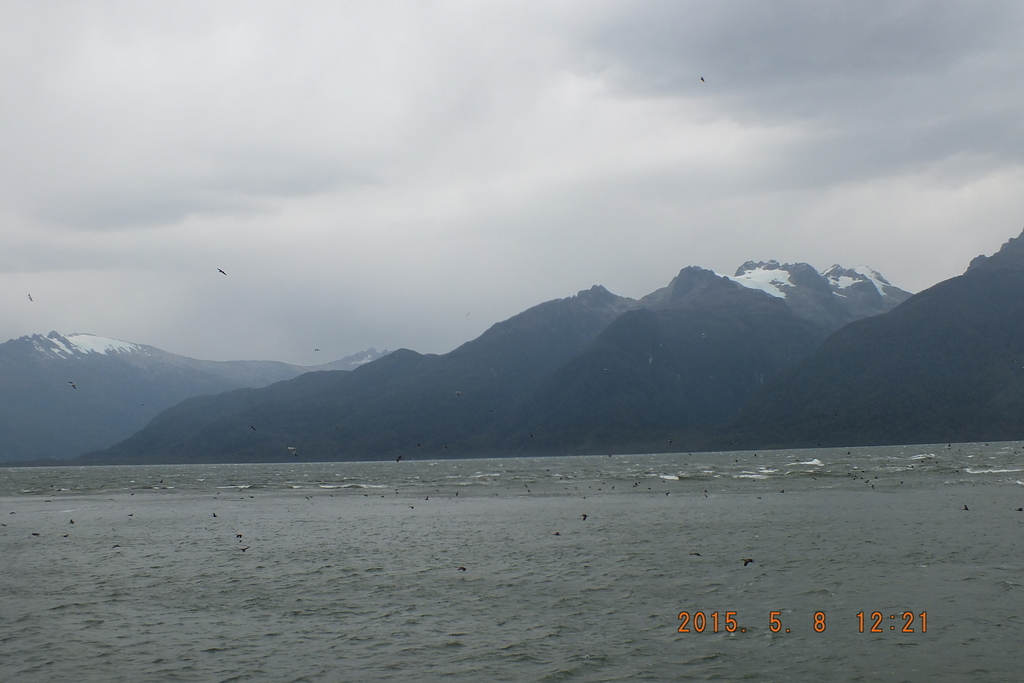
{"type": "Point", "coordinates": [1010, 256]}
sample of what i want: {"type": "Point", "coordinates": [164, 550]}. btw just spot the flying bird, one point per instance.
{"type": "Point", "coordinates": [702, 79]}
{"type": "Point", "coordinates": [584, 517]}
{"type": "Point", "coordinates": [30, 298]}
{"type": "Point", "coordinates": [72, 384]}
{"type": "Point", "coordinates": [221, 271]}
{"type": "Point", "coordinates": [747, 560]}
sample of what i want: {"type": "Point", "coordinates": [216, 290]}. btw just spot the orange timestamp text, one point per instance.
{"type": "Point", "coordinates": [714, 622]}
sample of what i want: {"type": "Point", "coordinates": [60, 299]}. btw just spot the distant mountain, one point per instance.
{"type": "Point", "coordinates": [694, 355]}
{"type": "Point", "coordinates": [946, 365]}
{"type": "Point", "coordinates": [832, 298]}
{"type": "Point", "coordinates": [564, 376]}
{"type": "Point", "coordinates": [349, 362]}
{"type": "Point", "coordinates": [61, 396]}
{"type": "Point", "coordinates": [406, 403]}
{"type": "Point", "coordinates": [688, 360]}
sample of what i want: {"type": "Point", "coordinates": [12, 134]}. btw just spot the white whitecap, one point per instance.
{"type": "Point", "coordinates": [971, 470]}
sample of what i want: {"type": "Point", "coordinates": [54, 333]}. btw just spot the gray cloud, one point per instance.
{"type": "Point", "coordinates": [369, 173]}
{"type": "Point", "coordinates": [879, 87]}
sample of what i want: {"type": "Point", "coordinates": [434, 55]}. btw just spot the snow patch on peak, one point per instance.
{"type": "Point", "coordinates": [89, 343]}
{"type": "Point", "coordinates": [61, 349]}
{"type": "Point", "coordinates": [841, 278]}
{"type": "Point", "coordinates": [873, 277]}
{"type": "Point", "coordinates": [768, 277]}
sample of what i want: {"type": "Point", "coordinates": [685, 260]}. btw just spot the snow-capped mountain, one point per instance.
{"type": "Point", "coordinates": [833, 297]}
{"type": "Point", "coordinates": [79, 343]}
{"type": "Point", "coordinates": [945, 366]}
{"type": "Point", "coordinates": [63, 395]}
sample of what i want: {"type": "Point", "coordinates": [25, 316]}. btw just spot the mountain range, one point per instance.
{"type": "Point", "coordinates": [587, 373]}
{"type": "Point", "coordinates": [947, 365]}
{"type": "Point", "coordinates": [61, 396]}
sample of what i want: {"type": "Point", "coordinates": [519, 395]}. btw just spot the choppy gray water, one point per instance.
{"type": "Point", "coordinates": [354, 571]}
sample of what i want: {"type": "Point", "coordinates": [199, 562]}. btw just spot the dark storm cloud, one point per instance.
{"type": "Point", "coordinates": [369, 173]}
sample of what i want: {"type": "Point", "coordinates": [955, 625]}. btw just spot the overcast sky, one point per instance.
{"type": "Point", "coordinates": [406, 174]}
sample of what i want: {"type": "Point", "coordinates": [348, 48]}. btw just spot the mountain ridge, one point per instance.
{"type": "Point", "coordinates": [945, 365]}
{"type": "Point", "coordinates": [475, 399]}
{"type": "Point", "coordinates": [61, 396]}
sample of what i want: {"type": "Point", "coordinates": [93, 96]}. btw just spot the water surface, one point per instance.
{"type": "Point", "coordinates": [487, 569]}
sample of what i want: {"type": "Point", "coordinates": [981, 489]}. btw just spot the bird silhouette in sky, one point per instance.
{"type": "Point", "coordinates": [701, 79]}
{"type": "Point", "coordinates": [30, 298]}
{"type": "Point", "coordinates": [72, 384]}
{"type": "Point", "coordinates": [221, 271]}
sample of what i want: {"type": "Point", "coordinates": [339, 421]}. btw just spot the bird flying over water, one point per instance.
{"type": "Point", "coordinates": [221, 271]}
{"type": "Point", "coordinates": [72, 384]}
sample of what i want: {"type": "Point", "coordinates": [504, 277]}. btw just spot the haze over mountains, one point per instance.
{"type": "Point", "coordinates": [588, 373]}
{"type": "Point", "coordinates": [61, 396]}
